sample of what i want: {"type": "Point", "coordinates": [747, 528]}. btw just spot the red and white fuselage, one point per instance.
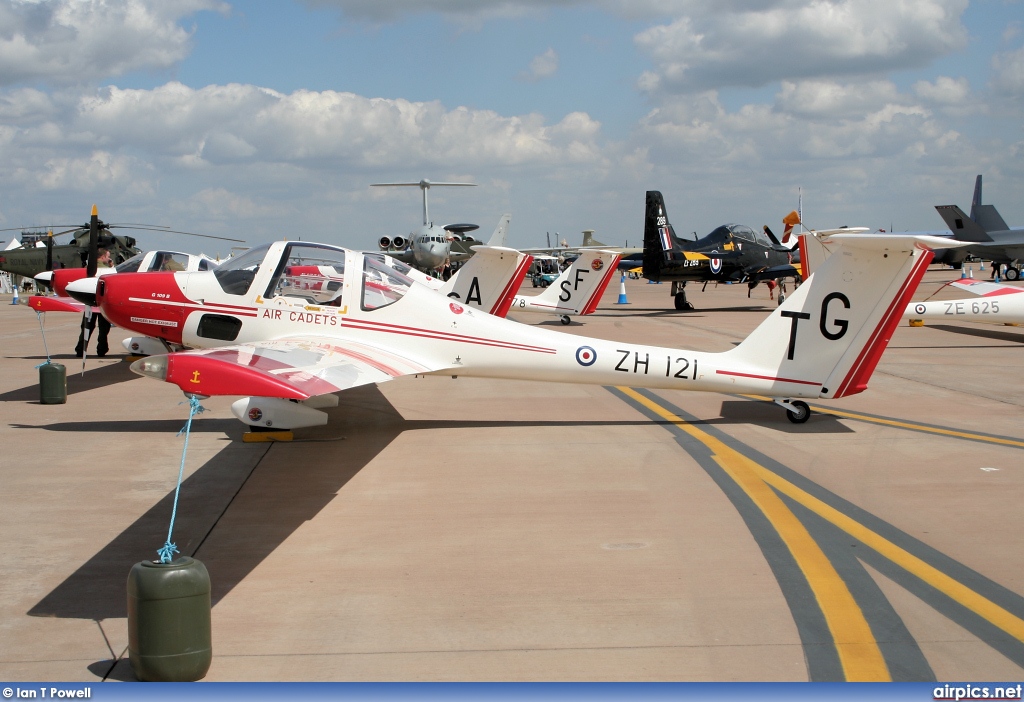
{"type": "Point", "coordinates": [360, 322]}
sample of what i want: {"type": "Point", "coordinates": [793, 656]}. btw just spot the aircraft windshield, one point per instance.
{"type": "Point", "coordinates": [236, 274]}
{"type": "Point", "coordinates": [131, 265]}
{"type": "Point", "coordinates": [394, 263]}
{"type": "Point", "coordinates": [312, 272]}
{"type": "Point", "coordinates": [718, 233]}
{"type": "Point", "coordinates": [170, 261]}
{"type": "Point", "coordinates": [743, 232]}
{"type": "Point", "coordinates": [382, 285]}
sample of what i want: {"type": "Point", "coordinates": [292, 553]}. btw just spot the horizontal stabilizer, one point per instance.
{"type": "Point", "coordinates": [962, 226]}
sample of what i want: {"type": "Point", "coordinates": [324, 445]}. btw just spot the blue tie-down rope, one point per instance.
{"type": "Point", "coordinates": [39, 316]}
{"type": "Point", "coordinates": [169, 549]}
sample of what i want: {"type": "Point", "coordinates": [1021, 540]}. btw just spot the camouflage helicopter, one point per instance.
{"type": "Point", "coordinates": [30, 259]}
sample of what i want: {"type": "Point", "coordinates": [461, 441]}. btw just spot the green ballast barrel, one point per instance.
{"type": "Point", "coordinates": [53, 384]}
{"type": "Point", "coordinates": [169, 620]}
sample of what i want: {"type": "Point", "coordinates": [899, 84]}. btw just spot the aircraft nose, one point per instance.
{"type": "Point", "coordinates": [83, 290]}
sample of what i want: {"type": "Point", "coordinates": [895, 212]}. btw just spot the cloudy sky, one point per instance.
{"type": "Point", "coordinates": [270, 119]}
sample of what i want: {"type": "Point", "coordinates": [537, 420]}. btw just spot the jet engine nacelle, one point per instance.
{"type": "Point", "coordinates": [144, 346]}
{"type": "Point", "coordinates": [388, 244]}
{"type": "Point", "coordinates": [276, 413]}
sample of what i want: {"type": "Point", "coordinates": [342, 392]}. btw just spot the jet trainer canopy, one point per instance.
{"type": "Point", "coordinates": [740, 231]}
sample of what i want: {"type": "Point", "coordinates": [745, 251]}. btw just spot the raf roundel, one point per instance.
{"type": "Point", "coordinates": [255, 414]}
{"type": "Point", "coordinates": [597, 264]}
{"type": "Point", "coordinates": [716, 265]}
{"type": "Point", "coordinates": [919, 309]}
{"type": "Point", "coordinates": [586, 356]}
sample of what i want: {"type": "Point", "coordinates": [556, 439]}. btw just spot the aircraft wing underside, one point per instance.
{"type": "Point", "coordinates": [406, 256]}
{"type": "Point", "coordinates": [292, 368]}
{"type": "Point", "coordinates": [774, 272]}
{"type": "Point", "coordinates": [997, 249]}
{"type": "Point", "coordinates": [45, 303]}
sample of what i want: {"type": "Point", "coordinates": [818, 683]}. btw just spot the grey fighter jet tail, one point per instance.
{"type": "Point", "coordinates": [963, 227]}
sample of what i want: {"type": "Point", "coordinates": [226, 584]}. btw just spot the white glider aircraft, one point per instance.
{"type": "Point", "coordinates": [576, 291]}
{"type": "Point", "coordinates": [997, 303]}
{"type": "Point", "coordinates": [286, 325]}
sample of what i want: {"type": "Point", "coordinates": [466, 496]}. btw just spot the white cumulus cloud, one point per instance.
{"type": "Point", "coordinates": [71, 41]}
{"type": "Point", "coordinates": [542, 66]}
{"type": "Point", "coordinates": [756, 45]}
{"type": "Point", "coordinates": [1009, 73]}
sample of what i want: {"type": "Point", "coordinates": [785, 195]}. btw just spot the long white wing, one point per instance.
{"type": "Point", "coordinates": [293, 368]}
{"type": "Point", "coordinates": [985, 288]}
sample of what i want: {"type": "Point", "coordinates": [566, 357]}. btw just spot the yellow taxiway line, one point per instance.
{"type": "Point", "coordinates": [857, 649]}
{"type": "Point", "coordinates": [941, 431]}
{"type": "Point", "coordinates": [844, 617]}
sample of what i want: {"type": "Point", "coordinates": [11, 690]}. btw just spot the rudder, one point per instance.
{"type": "Point", "coordinates": [827, 337]}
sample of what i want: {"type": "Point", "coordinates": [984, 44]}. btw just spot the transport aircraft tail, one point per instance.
{"type": "Point", "coordinates": [501, 231]}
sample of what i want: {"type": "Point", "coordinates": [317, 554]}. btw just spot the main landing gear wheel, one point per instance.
{"type": "Point", "coordinates": [1012, 273]}
{"type": "Point", "coordinates": [802, 413]}
{"type": "Point", "coordinates": [682, 304]}
{"type": "Point", "coordinates": [565, 319]}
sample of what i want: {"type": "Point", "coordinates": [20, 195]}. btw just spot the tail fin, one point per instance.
{"type": "Point", "coordinates": [579, 288]}
{"type": "Point", "coordinates": [589, 240]}
{"type": "Point", "coordinates": [976, 200]}
{"type": "Point", "coordinates": [490, 279]}
{"type": "Point", "coordinates": [827, 337]}
{"type": "Point", "coordinates": [963, 227]}
{"type": "Point", "coordinates": [501, 231]}
{"type": "Point", "coordinates": [660, 241]}
{"type": "Point", "coordinates": [790, 220]}
{"type": "Point", "coordinates": [989, 219]}
{"type": "Point", "coordinates": [987, 216]}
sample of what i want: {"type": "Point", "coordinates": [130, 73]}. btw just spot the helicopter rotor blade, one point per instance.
{"type": "Point", "coordinates": [175, 231]}
{"type": "Point", "coordinates": [68, 231]}
{"type": "Point", "coordinates": [41, 227]}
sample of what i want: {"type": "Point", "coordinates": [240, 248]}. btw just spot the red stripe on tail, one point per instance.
{"type": "Point", "coordinates": [857, 379]}
{"type": "Point", "coordinates": [596, 297]}
{"type": "Point", "coordinates": [504, 303]}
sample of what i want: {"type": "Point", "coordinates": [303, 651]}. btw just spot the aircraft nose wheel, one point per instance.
{"type": "Point", "coordinates": [682, 304]}
{"type": "Point", "coordinates": [800, 412]}
{"type": "Point", "coordinates": [565, 319]}
{"type": "Point", "coordinates": [1012, 273]}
